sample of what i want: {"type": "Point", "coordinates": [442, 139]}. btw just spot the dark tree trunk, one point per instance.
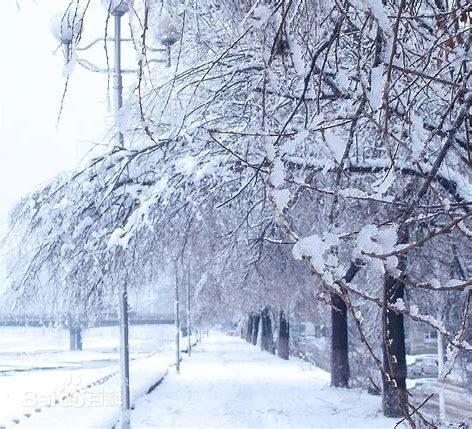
{"type": "Point", "coordinates": [339, 343]}
{"type": "Point", "coordinates": [249, 327]}
{"type": "Point", "coordinates": [395, 401]}
{"type": "Point", "coordinates": [255, 328]}
{"type": "Point", "coordinates": [284, 336]}
{"type": "Point", "coordinates": [394, 359]}
{"type": "Point", "coordinates": [75, 337]}
{"type": "Point", "coordinates": [339, 335]}
{"type": "Point", "coordinates": [267, 337]}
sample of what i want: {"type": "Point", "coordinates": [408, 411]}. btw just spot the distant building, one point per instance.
{"type": "Point", "coordinates": [420, 338]}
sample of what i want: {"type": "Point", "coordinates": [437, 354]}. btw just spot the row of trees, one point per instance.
{"type": "Point", "coordinates": [298, 150]}
{"type": "Point", "coordinates": [251, 333]}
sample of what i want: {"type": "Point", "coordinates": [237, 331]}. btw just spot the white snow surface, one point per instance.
{"type": "Point", "coordinates": [281, 198]}
{"type": "Point", "coordinates": [277, 175]}
{"type": "Point", "coordinates": [378, 10]}
{"type": "Point", "coordinates": [261, 14]}
{"type": "Point", "coordinates": [98, 406]}
{"type": "Point", "coordinates": [315, 247]}
{"type": "Point", "coordinates": [36, 369]}
{"type": "Point", "coordinates": [376, 87]}
{"type": "Point", "coordinates": [418, 135]}
{"type": "Point", "coordinates": [228, 383]}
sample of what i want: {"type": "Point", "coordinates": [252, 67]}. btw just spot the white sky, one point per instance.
{"type": "Point", "coordinates": [33, 150]}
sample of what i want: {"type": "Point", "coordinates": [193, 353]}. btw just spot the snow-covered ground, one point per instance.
{"type": "Point", "coordinates": [36, 370]}
{"type": "Point", "coordinates": [98, 406]}
{"type": "Point", "coordinates": [228, 383]}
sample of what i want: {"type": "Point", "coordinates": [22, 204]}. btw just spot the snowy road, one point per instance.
{"type": "Point", "coordinates": [228, 383]}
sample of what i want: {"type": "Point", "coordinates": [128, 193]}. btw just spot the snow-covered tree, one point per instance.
{"type": "Point", "coordinates": [340, 128]}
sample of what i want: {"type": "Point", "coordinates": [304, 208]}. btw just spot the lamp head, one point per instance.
{"type": "Point", "coordinates": [67, 26]}
{"type": "Point", "coordinates": [163, 26]}
{"type": "Point", "coordinates": [117, 7]}
{"type": "Point", "coordinates": [169, 39]}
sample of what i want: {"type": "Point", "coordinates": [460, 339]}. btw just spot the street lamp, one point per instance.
{"type": "Point", "coordinates": [163, 29]}
{"type": "Point", "coordinates": [117, 8]}
{"type": "Point", "coordinates": [68, 30]}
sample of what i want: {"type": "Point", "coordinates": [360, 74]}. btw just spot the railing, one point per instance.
{"type": "Point", "coordinates": [164, 319]}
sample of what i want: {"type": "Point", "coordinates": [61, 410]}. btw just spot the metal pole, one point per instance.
{"type": "Point", "coordinates": [124, 317]}
{"type": "Point", "coordinates": [441, 379]}
{"type": "Point", "coordinates": [177, 323]}
{"type": "Point", "coordinates": [168, 55]}
{"type": "Point", "coordinates": [188, 314]}
{"type": "Point", "coordinates": [67, 52]}
{"type": "Point", "coordinates": [124, 358]}
{"type": "Point", "coordinates": [118, 80]}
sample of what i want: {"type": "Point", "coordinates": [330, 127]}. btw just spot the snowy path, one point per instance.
{"type": "Point", "coordinates": [228, 383]}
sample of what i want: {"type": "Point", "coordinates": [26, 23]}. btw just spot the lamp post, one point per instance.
{"type": "Point", "coordinates": [117, 11]}
{"type": "Point", "coordinates": [189, 340]}
{"type": "Point", "coordinates": [117, 14]}
{"type": "Point", "coordinates": [68, 30]}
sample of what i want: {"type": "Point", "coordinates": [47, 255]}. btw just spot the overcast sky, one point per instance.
{"type": "Point", "coordinates": [33, 150]}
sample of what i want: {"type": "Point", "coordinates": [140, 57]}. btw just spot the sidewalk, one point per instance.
{"type": "Point", "coordinates": [228, 383]}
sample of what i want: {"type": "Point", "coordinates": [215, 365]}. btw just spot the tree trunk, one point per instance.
{"type": "Point", "coordinates": [75, 335]}
{"type": "Point", "coordinates": [284, 335]}
{"type": "Point", "coordinates": [249, 328]}
{"type": "Point", "coordinates": [255, 328]}
{"type": "Point", "coordinates": [339, 343]}
{"type": "Point", "coordinates": [395, 400]}
{"type": "Point", "coordinates": [394, 359]}
{"type": "Point", "coordinates": [267, 337]}
{"type": "Point", "coordinates": [339, 335]}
